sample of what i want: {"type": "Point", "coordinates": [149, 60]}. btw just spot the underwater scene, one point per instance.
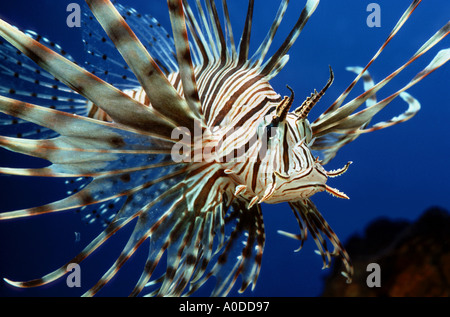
{"type": "Point", "coordinates": [397, 215]}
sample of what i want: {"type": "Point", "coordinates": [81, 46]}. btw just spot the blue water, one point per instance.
{"type": "Point", "coordinates": [397, 172]}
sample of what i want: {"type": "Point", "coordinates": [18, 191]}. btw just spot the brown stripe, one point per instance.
{"type": "Point", "coordinates": [285, 154]}
{"type": "Point", "coordinates": [230, 103]}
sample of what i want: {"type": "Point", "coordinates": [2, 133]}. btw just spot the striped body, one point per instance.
{"type": "Point", "coordinates": [204, 95]}
{"type": "Point", "coordinates": [238, 114]}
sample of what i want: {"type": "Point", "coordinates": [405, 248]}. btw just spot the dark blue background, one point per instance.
{"type": "Point", "coordinates": [397, 172]}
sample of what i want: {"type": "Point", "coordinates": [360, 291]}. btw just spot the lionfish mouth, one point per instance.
{"type": "Point", "coordinates": [334, 173]}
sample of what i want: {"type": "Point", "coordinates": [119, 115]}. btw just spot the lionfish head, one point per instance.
{"type": "Point", "coordinates": [297, 173]}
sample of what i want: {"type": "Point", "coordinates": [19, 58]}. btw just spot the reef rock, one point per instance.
{"type": "Point", "coordinates": [413, 258]}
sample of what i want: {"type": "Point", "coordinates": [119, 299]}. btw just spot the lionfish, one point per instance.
{"type": "Point", "coordinates": [187, 141]}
